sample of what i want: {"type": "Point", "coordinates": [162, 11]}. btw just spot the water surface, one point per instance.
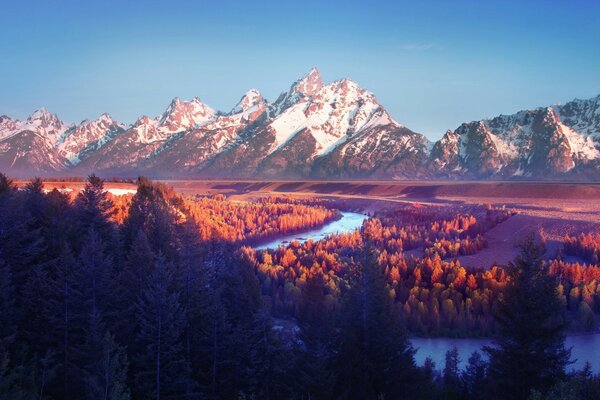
{"type": "Point", "coordinates": [584, 348]}
{"type": "Point", "coordinates": [348, 223]}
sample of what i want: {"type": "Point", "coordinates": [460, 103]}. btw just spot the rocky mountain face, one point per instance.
{"type": "Point", "coordinates": [550, 142]}
{"type": "Point", "coordinates": [313, 130]}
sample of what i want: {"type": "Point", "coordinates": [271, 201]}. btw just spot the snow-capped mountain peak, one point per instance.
{"type": "Point", "coordinates": [313, 129]}
{"type": "Point", "coordinates": [89, 136]}
{"type": "Point", "coordinates": [251, 106]}
{"type": "Point", "coordinates": [251, 98]}
{"type": "Point", "coordinates": [8, 126]}
{"type": "Point", "coordinates": [184, 115]}
{"type": "Point", "coordinates": [309, 84]}
{"type": "Point", "coordinates": [46, 124]}
{"type": "Point", "coordinates": [333, 114]}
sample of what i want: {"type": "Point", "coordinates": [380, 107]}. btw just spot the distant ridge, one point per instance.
{"type": "Point", "coordinates": [311, 131]}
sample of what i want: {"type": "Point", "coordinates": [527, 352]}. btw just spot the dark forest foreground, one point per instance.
{"type": "Point", "coordinates": [142, 301]}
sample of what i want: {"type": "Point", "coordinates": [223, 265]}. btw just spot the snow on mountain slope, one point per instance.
{"type": "Point", "coordinates": [179, 116]}
{"type": "Point", "coordinates": [183, 115]}
{"type": "Point", "coordinates": [8, 126]}
{"type": "Point", "coordinates": [304, 87]}
{"type": "Point", "coordinates": [27, 152]}
{"type": "Point", "coordinates": [198, 146]}
{"type": "Point", "coordinates": [87, 137]}
{"type": "Point", "coordinates": [583, 116]}
{"type": "Point", "coordinates": [530, 143]}
{"type": "Point", "coordinates": [45, 124]}
{"type": "Point", "coordinates": [250, 106]}
{"type": "Point", "coordinates": [331, 115]}
{"type": "Point", "coordinates": [382, 148]}
{"type": "Point", "coordinates": [321, 133]}
{"type": "Point", "coordinates": [312, 130]}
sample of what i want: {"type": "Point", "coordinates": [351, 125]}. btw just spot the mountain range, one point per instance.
{"type": "Point", "coordinates": [311, 131]}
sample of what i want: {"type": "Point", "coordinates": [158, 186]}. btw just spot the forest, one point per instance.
{"type": "Point", "coordinates": [161, 296]}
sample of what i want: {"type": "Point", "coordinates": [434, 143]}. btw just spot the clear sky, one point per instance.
{"type": "Point", "coordinates": [432, 64]}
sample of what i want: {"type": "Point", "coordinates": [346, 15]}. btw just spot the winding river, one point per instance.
{"type": "Point", "coordinates": [348, 223]}
{"type": "Point", "coordinates": [584, 347]}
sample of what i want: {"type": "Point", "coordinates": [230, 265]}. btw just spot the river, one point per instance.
{"type": "Point", "coordinates": [348, 223]}
{"type": "Point", "coordinates": [584, 347]}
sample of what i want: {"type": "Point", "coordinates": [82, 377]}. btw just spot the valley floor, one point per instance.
{"type": "Point", "coordinates": [556, 209]}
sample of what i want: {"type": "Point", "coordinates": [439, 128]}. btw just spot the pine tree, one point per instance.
{"type": "Point", "coordinates": [35, 200]}
{"type": "Point", "coordinates": [8, 327]}
{"type": "Point", "coordinates": [91, 299]}
{"type": "Point", "coordinates": [93, 209]}
{"type": "Point", "coordinates": [93, 277]}
{"type": "Point", "coordinates": [270, 360]}
{"type": "Point", "coordinates": [529, 353]}
{"type": "Point", "coordinates": [61, 314]}
{"type": "Point", "coordinates": [106, 377]}
{"type": "Point", "coordinates": [7, 186]}
{"type": "Point", "coordinates": [451, 375]}
{"type": "Point", "coordinates": [192, 285]}
{"type": "Point", "coordinates": [374, 358]}
{"type": "Point", "coordinates": [150, 211]}
{"type": "Point", "coordinates": [317, 331]}
{"type": "Point", "coordinates": [474, 377]}
{"type": "Point", "coordinates": [160, 322]}
{"type": "Point", "coordinates": [132, 281]}
{"type": "Point", "coordinates": [8, 311]}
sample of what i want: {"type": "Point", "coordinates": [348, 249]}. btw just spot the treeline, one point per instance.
{"type": "Point", "coordinates": [434, 297]}
{"type": "Point", "coordinates": [584, 246]}
{"type": "Point", "coordinates": [444, 231]}
{"type": "Point", "coordinates": [253, 222]}
{"type": "Point", "coordinates": [579, 288]}
{"type": "Point", "coordinates": [242, 222]}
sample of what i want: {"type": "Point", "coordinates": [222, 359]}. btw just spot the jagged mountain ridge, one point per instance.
{"type": "Point", "coordinates": [546, 142]}
{"type": "Point", "coordinates": [312, 130]}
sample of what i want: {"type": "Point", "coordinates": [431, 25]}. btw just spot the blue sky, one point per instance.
{"type": "Point", "coordinates": [432, 64]}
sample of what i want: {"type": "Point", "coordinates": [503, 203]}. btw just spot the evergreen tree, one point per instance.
{"type": "Point", "coordinates": [93, 277]}
{"type": "Point", "coordinates": [8, 326]}
{"type": "Point", "coordinates": [132, 281]}
{"type": "Point", "coordinates": [160, 322]}
{"type": "Point", "coordinates": [270, 360]}
{"type": "Point", "coordinates": [317, 331]}
{"type": "Point", "coordinates": [61, 315]}
{"type": "Point", "coordinates": [92, 298]}
{"type": "Point", "coordinates": [375, 358]}
{"type": "Point", "coordinates": [529, 353]}
{"type": "Point", "coordinates": [475, 377]}
{"type": "Point", "coordinates": [451, 375]}
{"type": "Point", "coordinates": [7, 186]}
{"type": "Point", "coordinates": [60, 229]}
{"type": "Point", "coordinates": [35, 201]}
{"type": "Point", "coordinates": [150, 211]}
{"type": "Point", "coordinates": [430, 378]}
{"type": "Point", "coordinates": [106, 376]}
{"type": "Point", "coordinates": [8, 312]}
{"type": "Point", "coordinates": [238, 297]}
{"type": "Point", "coordinates": [193, 288]}
{"type": "Point", "coordinates": [93, 209]}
